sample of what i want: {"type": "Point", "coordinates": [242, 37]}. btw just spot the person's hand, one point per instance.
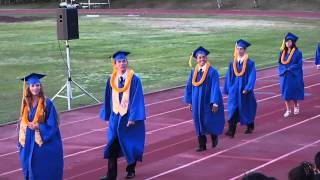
{"type": "Point", "coordinates": [30, 125]}
{"type": "Point", "coordinates": [245, 92]}
{"type": "Point", "coordinates": [214, 108]}
{"type": "Point", "coordinates": [35, 126]}
{"type": "Point", "coordinates": [190, 107]}
{"type": "Point", "coordinates": [130, 123]}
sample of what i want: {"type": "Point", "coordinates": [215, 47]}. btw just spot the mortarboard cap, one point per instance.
{"type": "Point", "coordinates": [291, 36]}
{"type": "Point", "coordinates": [243, 44]}
{"type": "Point", "coordinates": [33, 78]}
{"type": "Point", "coordinates": [200, 50]}
{"type": "Point", "coordinates": [120, 55]}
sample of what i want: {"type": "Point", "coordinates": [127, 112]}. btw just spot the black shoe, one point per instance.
{"type": "Point", "coordinates": [201, 148]}
{"type": "Point", "coordinates": [107, 178]}
{"type": "Point", "coordinates": [250, 128]}
{"type": "Point", "coordinates": [248, 131]}
{"type": "Point", "coordinates": [104, 178]}
{"type": "Point", "coordinates": [130, 175]}
{"type": "Point", "coordinates": [214, 139]}
{"type": "Point", "coordinates": [202, 139]}
{"type": "Point", "coordinates": [230, 134]}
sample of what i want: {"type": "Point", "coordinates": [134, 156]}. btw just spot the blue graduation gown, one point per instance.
{"type": "Point", "coordinates": [233, 87]}
{"type": "Point", "coordinates": [131, 139]}
{"type": "Point", "coordinates": [202, 98]}
{"type": "Point", "coordinates": [45, 162]}
{"type": "Point", "coordinates": [317, 58]}
{"type": "Point", "coordinates": [291, 77]}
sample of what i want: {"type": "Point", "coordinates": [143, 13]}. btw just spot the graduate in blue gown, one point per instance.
{"type": "Point", "coordinates": [40, 144]}
{"type": "Point", "coordinates": [239, 87]}
{"type": "Point", "coordinates": [291, 74]}
{"type": "Point", "coordinates": [204, 97]}
{"type": "Point", "coordinates": [317, 57]}
{"type": "Point", "coordinates": [124, 108]}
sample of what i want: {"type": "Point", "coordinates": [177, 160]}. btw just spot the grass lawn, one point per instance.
{"type": "Point", "coordinates": [160, 48]}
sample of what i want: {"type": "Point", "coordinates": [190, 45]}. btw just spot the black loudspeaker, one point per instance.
{"type": "Point", "coordinates": [67, 24]}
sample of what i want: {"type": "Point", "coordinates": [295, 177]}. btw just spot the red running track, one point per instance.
{"type": "Point", "coordinates": [259, 13]}
{"type": "Point", "coordinates": [276, 145]}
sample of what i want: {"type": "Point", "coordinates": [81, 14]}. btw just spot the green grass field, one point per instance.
{"type": "Point", "coordinates": [283, 5]}
{"type": "Point", "coordinates": [160, 48]}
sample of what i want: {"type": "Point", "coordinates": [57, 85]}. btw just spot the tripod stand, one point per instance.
{"type": "Point", "coordinates": [69, 82]}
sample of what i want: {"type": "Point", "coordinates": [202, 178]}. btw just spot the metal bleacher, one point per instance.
{"type": "Point", "coordinates": [89, 4]}
{"type": "Point", "coordinates": [95, 3]}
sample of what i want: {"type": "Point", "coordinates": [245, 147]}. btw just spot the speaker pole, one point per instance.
{"type": "Point", "coordinates": [69, 82]}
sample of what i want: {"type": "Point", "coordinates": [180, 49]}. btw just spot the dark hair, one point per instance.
{"type": "Point", "coordinates": [257, 176]}
{"type": "Point", "coordinates": [317, 160]}
{"type": "Point", "coordinates": [304, 171]}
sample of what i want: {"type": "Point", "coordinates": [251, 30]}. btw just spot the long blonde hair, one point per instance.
{"type": "Point", "coordinates": [27, 101]}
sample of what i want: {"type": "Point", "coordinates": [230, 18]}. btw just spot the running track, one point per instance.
{"type": "Point", "coordinates": [259, 13]}
{"type": "Point", "coordinates": [276, 145]}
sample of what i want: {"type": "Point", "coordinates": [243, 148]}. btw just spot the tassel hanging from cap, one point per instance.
{"type": "Point", "coordinates": [190, 60]}
{"type": "Point", "coordinates": [235, 51]}
{"type": "Point", "coordinates": [282, 45]}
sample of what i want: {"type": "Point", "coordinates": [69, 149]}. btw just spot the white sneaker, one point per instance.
{"type": "Point", "coordinates": [287, 113]}
{"type": "Point", "coordinates": [296, 110]}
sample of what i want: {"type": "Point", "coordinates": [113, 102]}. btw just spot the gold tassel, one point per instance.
{"type": "Point", "coordinates": [190, 60]}
{"type": "Point", "coordinates": [282, 45]}
{"type": "Point", "coordinates": [235, 51]}
{"type": "Point", "coordinates": [24, 94]}
{"type": "Point", "coordinates": [113, 63]}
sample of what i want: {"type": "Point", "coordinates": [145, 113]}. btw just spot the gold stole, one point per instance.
{"type": "Point", "coordinates": [24, 123]}
{"type": "Point", "coordinates": [117, 106]}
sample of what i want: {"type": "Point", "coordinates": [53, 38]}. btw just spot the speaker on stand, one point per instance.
{"type": "Point", "coordinates": [68, 29]}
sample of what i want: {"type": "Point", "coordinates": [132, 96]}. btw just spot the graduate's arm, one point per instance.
{"type": "Point", "coordinates": [294, 68]}
{"type": "Point", "coordinates": [106, 106]}
{"type": "Point", "coordinates": [188, 90]}
{"type": "Point", "coordinates": [251, 81]}
{"type": "Point", "coordinates": [137, 106]}
{"type": "Point", "coordinates": [215, 92]}
{"type": "Point", "coordinates": [227, 81]}
{"type": "Point", "coordinates": [282, 68]}
{"type": "Point", "coordinates": [317, 57]}
{"type": "Point", "coordinates": [51, 125]}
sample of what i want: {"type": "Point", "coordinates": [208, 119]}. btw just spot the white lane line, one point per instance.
{"type": "Point", "coordinates": [174, 110]}
{"type": "Point", "coordinates": [277, 159]}
{"type": "Point", "coordinates": [167, 100]}
{"type": "Point", "coordinates": [194, 162]}
{"type": "Point", "coordinates": [231, 148]}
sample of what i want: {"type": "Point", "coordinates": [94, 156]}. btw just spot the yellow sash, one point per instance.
{"type": "Point", "coordinates": [117, 106]}
{"type": "Point", "coordinates": [24, 123]}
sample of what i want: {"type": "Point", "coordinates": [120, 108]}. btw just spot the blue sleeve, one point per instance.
{"type": "Point", "coordinates": [106, 106]}
{"type": "Point", "coordinates": [317, 58]}
{"type": "Point", "coordinates": [137, 106]}
{"type": "Point", "coordinates": [252, 78]}
{"type": "Point", "coordinates": [297, 66]}
{"type": "Point", "coordinates": [50, 127]}
{"type": "Point", "coordinates": [188, 90]}
{"type": "Point", "coordinates": [215, 88]}
{"type": "Point", "coordinates": [282, 68]}
{"type": "Point", "coordinates": [227, 81]}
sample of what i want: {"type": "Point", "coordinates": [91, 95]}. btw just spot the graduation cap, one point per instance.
{"type": "Point", "coordinates": [120, 55]}
{"type": "Point", "coordinates": [200, 50]}
{"type": "Point", "coordinates": [33, 78]}
{"type": "Point", "coordinates": [242, 43]}
{"type": "Point", "coordinates": [291, 36]}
